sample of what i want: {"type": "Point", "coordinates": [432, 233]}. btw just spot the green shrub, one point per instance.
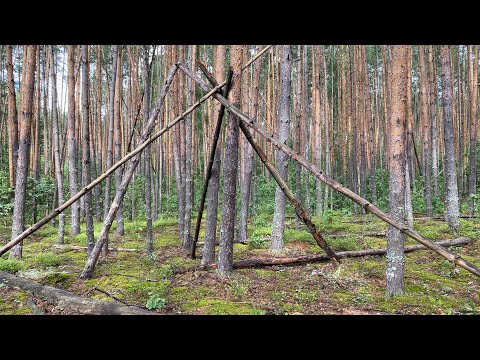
{"type": "Point", "coordinates": [11, 265]}
{"type": "Point", "coordinates": [48, 260]}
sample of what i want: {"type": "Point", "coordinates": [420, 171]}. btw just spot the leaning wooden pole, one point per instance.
{"type": "Point", "coordinates": [102, 237]}
{"type": "Point", "coordinates": [299, 210]}
{"type": "Point", "coordinates": [319, 174]}
{"type": "Point", "coordinates": [211, 158]}
{"type": "Point", "coordinates": [282, 184]}
{"type": "Point", "coordinates": [102, 177]}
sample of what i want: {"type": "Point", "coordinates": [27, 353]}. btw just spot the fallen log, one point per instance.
{"type": "Point", "coordinates": [75, 247]}
{"type": "Point", "coordinates": [66, 299]}
{"type": "Point", "coordinates": [320, 175]}
{"type": "Point", "coordinates": [299, 260]}
{"type": "Point", "coordinates": [361, 234]}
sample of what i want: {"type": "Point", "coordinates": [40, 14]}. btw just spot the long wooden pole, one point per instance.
{"type": "Point", "coordinates": [300, 211]}
{"type": "Point", "coordinates": [102, 177]}
{"type": "Point", "coordinates": [319, 174]}
{"type": "Point", "coordinates": [211, 158]}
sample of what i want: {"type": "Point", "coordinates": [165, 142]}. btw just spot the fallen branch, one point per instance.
{"type": "Point", "coordinates": [299, 260]}
{"type": "Point", "coordinates": [75, 247]}
{"type": "Point", "coordinates": [362, 234]}
{"type": "Point", "coordinates": [66, 299]}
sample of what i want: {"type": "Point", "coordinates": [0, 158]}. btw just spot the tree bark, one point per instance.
{"type": "Point", "coordinates": [86, 169]}
{"type": "Point", "coordinates": [147, 154]}
{"type": "Point", "coordinates": [110, 131]}
{"type": "Point", "coordinates": [473, 80]}
{"type": "Point", "coordinates": [12, 120]}
{"type": "Point", "coordinates": [72, 142]}
{"type": "Point", "coordinates": [395, 238]}
{"type": "Point", "coordinates": [117, 141]}
{"type": "Point", "coordinates": [208, 254]}
{"type": "Point", "coordinates": [452, 211]}
{"type": "Point", "coordinates": [427, 138]}
{"type": "Point", "coordinates": [225, 255]}
{"type": "Point", "coordinates": [187, 238]}
{"type": "Point", "coordinates": [25, 122]}
{"type": "Point", "coordinates": [281, 160]}
{"type": "Point", "coordinates": [56, 145]}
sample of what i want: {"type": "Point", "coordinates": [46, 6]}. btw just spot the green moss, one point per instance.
{"type": "Point", "coordinates": [14, 303]}
{"type": "Point", "coordinates": [11, 265]}
{"type": "Point", "coordinates": [221, 307]}
{"type": "Point", "coordinates": [291, 235]}
{"type": "Point", "coordinates": [59, 279]}
{"type": "Point", "coordinates": [48, 260]}
{"type": "Point", "coordinates": [166, 239]}
{"type": "Point", "coordinates": [165, 222]}
{"type": "Point", "coordinates": [344, 244]}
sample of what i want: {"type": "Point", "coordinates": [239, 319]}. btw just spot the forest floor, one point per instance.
{"type": "Point", "coordinates": [433, 285]}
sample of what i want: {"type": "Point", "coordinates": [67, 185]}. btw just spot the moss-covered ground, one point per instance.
{"type": "Point", "coordinates": [357, 286]}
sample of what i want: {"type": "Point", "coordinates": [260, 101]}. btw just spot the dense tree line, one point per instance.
{"type": "Point", "coordinates": [395, 124]}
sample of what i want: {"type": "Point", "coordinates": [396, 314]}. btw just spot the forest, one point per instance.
{"type": "Point", "coordinates": [239, 179]}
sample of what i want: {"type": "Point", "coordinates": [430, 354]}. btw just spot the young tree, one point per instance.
{"type": "Point", "coordinates": [225, 255]}
{"type": "Point", "coordinates": [281, 160]}
{"type": "Point", "coordinates": [395, 238]}
{"type": "Point", "coordinates": [25, 122]}
{"type": "Point", "coordinates": [451, 193]}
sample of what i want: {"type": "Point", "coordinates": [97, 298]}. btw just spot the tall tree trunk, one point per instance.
{"type": "Point", "coordinates": [111, 114]}
{"type": "Point", "coordinates": [225, 255]}
{"type": "Point", "coordinates": [98, 192]}
{"type": "Point", "coordinates": [433, 117]}
{"type": "Point", "coordinates": [473, 80]}
{"type": "Point", "coordinates": [56, 145]}
{"type": "Point", "coordinates": [72, 142]}
{"type": "Point", "coordinates": [427, 138]}
{"type": "Point", "coordinates": [12, 120]}
{"type": "Point", "coordinates": [452, 212]}
{"type": "Point", "coordinates": [147, 153]}
{"type": "Point", "coordinates": [246, 187]}
{"type": "Point", "coordinates": [297, 137]}
{"type": "Point", "coordinates": [208, 255]}
{"type": "Point", "coordinates": [395, 238]}
{"type": "Point", "coordinates": [117, 140]}
{"type": "Point", "coordinates": [25, 122]}
{"type": "Point", "coordinates": [281, 160]}
{"type": "Point", "coordinates": [86, 169]}
{"type": "Point", "coordinates": [187, 239]}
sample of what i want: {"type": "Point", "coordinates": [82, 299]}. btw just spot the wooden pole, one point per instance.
{"type": "Point", "coordinates": [282, 184]}
{"type": "Point", "coordinates": [208, 173]}
{"type": "Point", "coordinates": [319, 174]}
{"type": "Point", "coordinates": [102, 177]}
